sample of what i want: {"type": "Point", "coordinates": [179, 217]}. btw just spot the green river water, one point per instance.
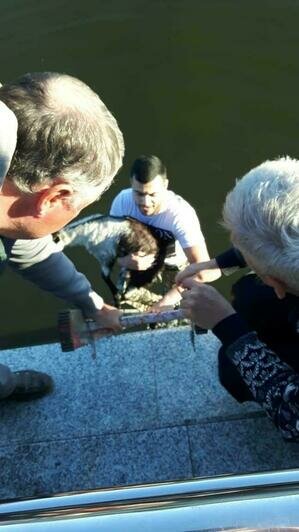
{"type": "Point", "coordinates": [210, 86]}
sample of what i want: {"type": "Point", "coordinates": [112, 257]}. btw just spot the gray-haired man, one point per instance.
{"type": "Point", "coordinates": [67, 151]}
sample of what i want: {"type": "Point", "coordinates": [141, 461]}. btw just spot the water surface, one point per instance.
{"type": "Point", "coordinates": [210, 86]}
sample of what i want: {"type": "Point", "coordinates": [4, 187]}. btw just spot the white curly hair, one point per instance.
{"type": "Point", "coordinates": [262, 216]}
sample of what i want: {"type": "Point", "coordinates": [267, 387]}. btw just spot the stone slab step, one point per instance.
{"type": "Point", "coordinates": [148, 408]}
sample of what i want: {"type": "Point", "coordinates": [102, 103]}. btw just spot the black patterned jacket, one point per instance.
{"type": "Point", "coordinates": [274, 384]}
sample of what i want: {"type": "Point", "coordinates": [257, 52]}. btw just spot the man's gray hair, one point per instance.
{"type": "Point", "coordinates": [64, 132]}
{"type": "Point", "coordinates": [262, 216]}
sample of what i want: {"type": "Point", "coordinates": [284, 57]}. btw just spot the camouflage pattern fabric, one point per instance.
{"type": "Point", "coordinates": [141, 299]}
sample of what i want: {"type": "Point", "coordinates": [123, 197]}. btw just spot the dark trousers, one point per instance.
{"type": "Point", "coordinates": [273, 319]}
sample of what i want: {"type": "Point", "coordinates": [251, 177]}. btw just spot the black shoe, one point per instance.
{"type": "Point", "coordinates": [30, 385]}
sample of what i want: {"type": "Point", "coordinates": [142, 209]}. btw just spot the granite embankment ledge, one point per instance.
{"type": "Point", "coordinates": [148, 408]}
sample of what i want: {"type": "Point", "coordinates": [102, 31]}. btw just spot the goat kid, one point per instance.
{"type": "Point", "coordinates": [110, 237]}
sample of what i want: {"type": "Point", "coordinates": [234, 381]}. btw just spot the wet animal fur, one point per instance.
{"type": "Point", "coordinates": [110, 237]}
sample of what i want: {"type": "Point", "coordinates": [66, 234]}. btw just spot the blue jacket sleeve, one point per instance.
{"type": "Point", "coordinates": [57, 274]}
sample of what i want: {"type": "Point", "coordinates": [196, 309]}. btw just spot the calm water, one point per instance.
{"type": "Point", "coordinates": [209, 86]}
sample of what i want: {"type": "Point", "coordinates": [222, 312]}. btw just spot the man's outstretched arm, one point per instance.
{"type": "Point", "coordinates": [273, 384]}
{"type": "Point", "coordinates": [41, 262]}
{"type": "Point", "coordinates": [208, 271]}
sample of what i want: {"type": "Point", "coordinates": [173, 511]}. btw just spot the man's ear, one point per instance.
{"type": "Point", "coordinates": [53, 197]}
{"type": "Point", "coordinates": [278, 286]}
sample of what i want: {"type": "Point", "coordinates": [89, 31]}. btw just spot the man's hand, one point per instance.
{"type": "Point", "coordinates": [203, 304]}
{"type": "Point", "coordinates": [107, 320]}
{"type": "Point", "coordinates": [205, 272]}
{"type": "Point", "coordinates": [136, 261]}
{"type": "Point", "coordinates": [8, 138]}
{"type": "Point", "coordinates": [159, 307]}
{"type": "Point", "coordinates": [168, 301]}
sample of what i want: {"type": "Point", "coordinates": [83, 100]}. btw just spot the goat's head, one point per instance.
{"type": "Point", "coordinates": [146, 240]}
{"type": "Point", "coordinates": [138, 240]}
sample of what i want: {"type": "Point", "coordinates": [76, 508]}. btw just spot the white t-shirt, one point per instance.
{"type": "Point", "coordinates": [178, 217]}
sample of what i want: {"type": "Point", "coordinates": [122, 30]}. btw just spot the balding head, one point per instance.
{"type": "Point", "coordinates": [66, 94]}
{"type": "Point", "coordinates": [65, 133]}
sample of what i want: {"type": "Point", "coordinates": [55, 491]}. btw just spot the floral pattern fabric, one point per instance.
{"type": "Point", "coordinates": [274, 384]}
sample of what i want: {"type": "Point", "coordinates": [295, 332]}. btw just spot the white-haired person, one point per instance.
{"type": "Point", "coordinates": [259, 331]}
{"type": "Point", "coordinates": [60, 149]}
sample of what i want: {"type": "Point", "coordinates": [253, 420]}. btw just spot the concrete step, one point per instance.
{"type": "Point", "coordinates": [149, 408]}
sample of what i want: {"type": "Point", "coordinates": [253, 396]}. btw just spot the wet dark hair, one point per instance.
{"type": "Point", "coordinates": [64, 130]}
{"type": "Point", "coordinates": [148, 240]}
{"type": "Point", "coordinates": [140, 238]}
{"type": "Point", "coordinates": [146, 167]}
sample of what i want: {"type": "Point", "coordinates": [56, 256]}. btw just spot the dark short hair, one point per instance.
{"type": "Point", "coordinates": [64, 130]}
{"type": "Point", "coordinates": [146, 167]}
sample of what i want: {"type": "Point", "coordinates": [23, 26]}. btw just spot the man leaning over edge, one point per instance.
{"type": "Point", "coordinates": [68, 149]}
{"type": "Point", "coordinates": [151, 202]}
{"type": "Point", "coordinates": [260, 342]}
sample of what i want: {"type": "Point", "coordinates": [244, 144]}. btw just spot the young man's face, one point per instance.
{"type": "Point", "coordinates": [150, 197]}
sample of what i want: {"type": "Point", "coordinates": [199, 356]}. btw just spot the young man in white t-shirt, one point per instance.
{"type": "Point", "coordinates": [149, 201]}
